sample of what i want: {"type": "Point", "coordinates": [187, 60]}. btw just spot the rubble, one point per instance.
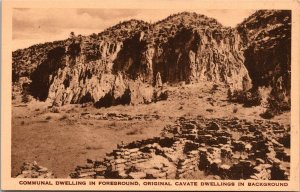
{"type": "Point", "coordinates": [120, 116]}
{"type": "Point", "coordinates": [33, 170]}
{"type": "Point", "coordinates": [198, 145]}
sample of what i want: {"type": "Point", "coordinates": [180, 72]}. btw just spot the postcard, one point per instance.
{"type": "Point", "coordinates": [150, 95]}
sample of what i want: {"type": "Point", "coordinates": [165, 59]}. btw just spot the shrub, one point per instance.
{"type": "Point", "coordinates": [248, 98]}
{"type": "Point", "coordinates": [63, 117]}
{"type": "Point", "coordinates": [161, 95]}
{"type": "Point", "coordinates": [268, 114]}
{"type": "Point", "coordinates": [26, 98]}
{"type": "Point", "coordinates": [164, 95]}
{"type": "Point", "coordinates": [48, 117]}
{"type": "Point", "coordinates": [214, 89]}
{"type": "Point", "coordinates": [276, 106]}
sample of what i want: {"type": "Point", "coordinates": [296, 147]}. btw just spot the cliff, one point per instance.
{"type": "Point", "coordinates": [267, 42]}
{"type": "Point", "coordinates": [128, 63]}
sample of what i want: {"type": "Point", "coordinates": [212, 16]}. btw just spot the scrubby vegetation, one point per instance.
{"type": "Point", "coordinates": [276, 106]}
{"type": "Point", "coordinates": [247, 98]}
{"type": "Point", "coordinates": [160, 95]}
{"type": "Point", "coordinates": [26, 98]}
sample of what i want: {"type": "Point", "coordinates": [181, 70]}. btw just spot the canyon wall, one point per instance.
{"type": "Point", "coordinates": [128, 63]}
{"type": "Point", "coordinates": [267, 40]}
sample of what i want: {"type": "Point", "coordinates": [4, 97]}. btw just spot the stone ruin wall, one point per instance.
{"type": "Point", "coordinates": [214, 148]}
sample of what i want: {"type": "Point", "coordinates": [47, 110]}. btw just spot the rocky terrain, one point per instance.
{"type": "Point", "coordinates": [184, 97]}
{"type": "Point", "coordinates": [194, 148]}
{"type": "Point", "coordinates": [223, 148]}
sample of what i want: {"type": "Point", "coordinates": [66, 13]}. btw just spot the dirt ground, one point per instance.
{"type": "Point", "coordinates": [62, 139]}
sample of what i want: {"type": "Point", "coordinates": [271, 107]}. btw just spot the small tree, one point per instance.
{"type": "Point", "coordinates": [72, 35]}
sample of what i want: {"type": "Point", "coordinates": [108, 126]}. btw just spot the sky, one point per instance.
{"type": "Point", "coordinates": [32, 26]}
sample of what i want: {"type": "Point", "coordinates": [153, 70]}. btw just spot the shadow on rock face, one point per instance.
{"type": "Point", "coordinates": [41, 81]}
{"type": "Point", "coordinates": [109, 100]}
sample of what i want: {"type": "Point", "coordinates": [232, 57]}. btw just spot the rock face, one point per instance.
{"type": "Point", "coordinates": [125, 64]}
{"type": "Point", "coordinates": [25, 61]}
{"type": "Point", "coordinates": [267, 39]}
{"type": "Point", "coordinates": [82, 71]}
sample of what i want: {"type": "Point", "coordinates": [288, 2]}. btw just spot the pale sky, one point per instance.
{"type": "Point", "coordinates": [31, 26]}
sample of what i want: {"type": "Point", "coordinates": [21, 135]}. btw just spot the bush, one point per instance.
{"type": "Point", "coordinates": [26, 98]}
{"type": "Point", "coordinates": [164, 95]}
{"type": "Point", "coordinates": [248, 98]}
{"type": "Point", "coordinates": [276, 106]}
{"type": "Point", "coordinates": [268, 114]}
{"type": "Point", "coordinates": [161, 95]}
{"type": "Point", "coordinates": [214, 89]}
{"type": "Point", "coordinates": [48, 117]}
{"type": "Point", "coordinates": [63, 117]}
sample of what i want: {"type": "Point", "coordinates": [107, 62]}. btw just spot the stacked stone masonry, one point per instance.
{"type": "Point", "coordinates": [33, 170]}
{"type": "Point", "coordinates": [119, 116]}
{"type": "Point", "coordinates": [223, 148]}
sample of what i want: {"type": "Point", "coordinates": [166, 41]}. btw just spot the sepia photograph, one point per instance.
{"type": "Point", "coordinates": [148, 96]}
